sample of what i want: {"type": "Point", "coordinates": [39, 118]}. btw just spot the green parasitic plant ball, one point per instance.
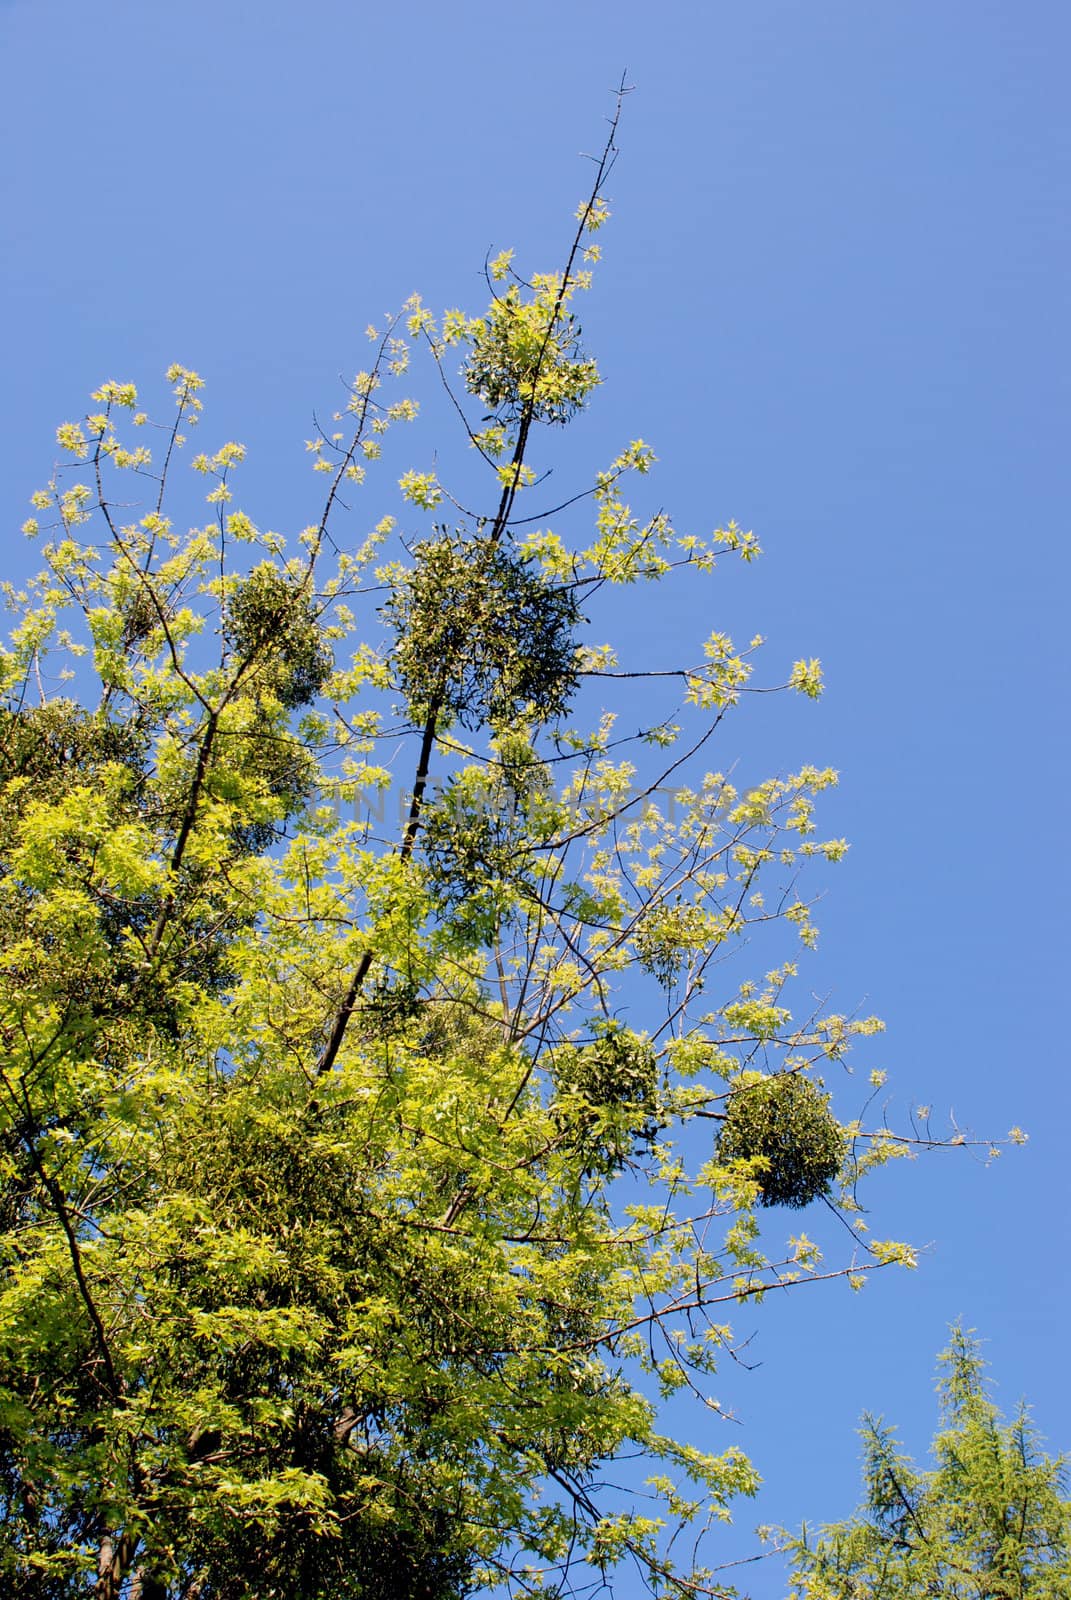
{"type": "Point", "coordinates": [482, 633]}
{"type": "Point", "coordinates": [785, 1120]}
{"type": "Point", "coordinates": [607, 1095]}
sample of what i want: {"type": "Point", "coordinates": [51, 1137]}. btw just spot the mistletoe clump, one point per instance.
{"type": "Point", "coordinates": [62, 744]}
{"type": "Point", "coordinates": [486, 829]}
{"type": "Point", "coordinates": [784, 1120]}
{"type": "Point", "coordinates": [482, 633]}
{"type": "Point", "coordinates": [272, 625]}
{"type": "Point", "coordinates": [607, 1096]}
{"type": "Point", "coordinates": [273, 629]}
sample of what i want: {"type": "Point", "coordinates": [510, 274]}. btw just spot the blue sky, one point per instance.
{"type": "Point", "coordinates": [835, 301]}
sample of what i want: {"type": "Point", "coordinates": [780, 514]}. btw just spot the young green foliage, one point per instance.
{"type": "Point", "coordinates": [349, 1231]}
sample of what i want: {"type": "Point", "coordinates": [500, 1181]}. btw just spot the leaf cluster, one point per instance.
{"type": "Point", "coordinates": [525, 359]}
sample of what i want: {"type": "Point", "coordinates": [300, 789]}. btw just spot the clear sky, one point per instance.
{"type": "Point", "coordinates": [834, 299]}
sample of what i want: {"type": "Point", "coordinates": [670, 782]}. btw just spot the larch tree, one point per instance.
{"type": "Point", "coordinates": [349, 1229]}
{"type": "Point", "coordinates": [990, 1521]}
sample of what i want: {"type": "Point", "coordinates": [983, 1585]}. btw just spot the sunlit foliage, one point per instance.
{"type": "Point", "coordinates": [350, 1230]}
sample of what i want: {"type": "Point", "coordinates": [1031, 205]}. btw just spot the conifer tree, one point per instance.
{"type": "Point", "coordinates": [990, 1521]}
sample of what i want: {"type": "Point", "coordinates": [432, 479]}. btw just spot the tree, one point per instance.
{"type": "Point", "coordinates": [350, 1229]}
{"type": "Point", "coordinates": [990, 1522]}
